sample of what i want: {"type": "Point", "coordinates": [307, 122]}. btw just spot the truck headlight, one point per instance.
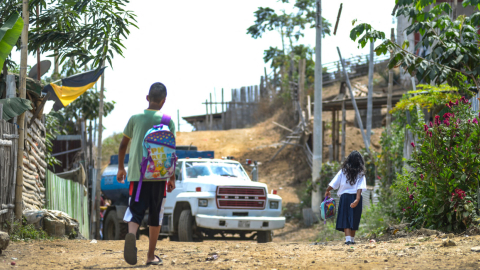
{"type": "Point", "coordinates": [202, 202]}
{"type": "Point", "coordinates": [273, 204]}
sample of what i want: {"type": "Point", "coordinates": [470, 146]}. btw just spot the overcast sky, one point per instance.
{"type": "Point", "coordinates": [194, 47]}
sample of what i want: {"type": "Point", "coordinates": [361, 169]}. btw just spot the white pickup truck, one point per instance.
{"type": "Point", "coordinates": [215, 197]}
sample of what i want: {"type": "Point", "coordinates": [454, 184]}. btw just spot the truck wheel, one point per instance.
{"type": "Point", "coordinates": [185, 226]}
{"type": "Point", "coordinates": [111, 227]}
{"type": "Point", "coordinates": [264, 236]}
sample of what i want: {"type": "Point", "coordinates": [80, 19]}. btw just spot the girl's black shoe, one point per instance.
{"type": "Point", "coordinates": [349, 243]}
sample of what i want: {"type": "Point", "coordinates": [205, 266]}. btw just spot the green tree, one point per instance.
{"type": "Point", "coordinates": [453, 43]}
{"type": "Point", "coordinates": [291, 27]}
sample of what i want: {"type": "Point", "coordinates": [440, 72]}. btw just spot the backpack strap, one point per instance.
{"type": "Point", "coordinates": [165, 120]}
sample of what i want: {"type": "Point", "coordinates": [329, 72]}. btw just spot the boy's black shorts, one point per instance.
{"type": "Point", "coordinates": [152, 197]}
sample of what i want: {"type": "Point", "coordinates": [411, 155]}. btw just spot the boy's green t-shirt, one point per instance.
{"type": "Point", "coordinates": [137, 127]}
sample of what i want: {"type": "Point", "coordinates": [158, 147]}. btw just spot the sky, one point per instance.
{"type": "Point", "coordinates": [199, 47]}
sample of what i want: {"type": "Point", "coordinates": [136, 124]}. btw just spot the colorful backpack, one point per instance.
{"type": "Point", "coordinates": [327, 209]}
{"type": "Point", "coordinates": [159, 158]}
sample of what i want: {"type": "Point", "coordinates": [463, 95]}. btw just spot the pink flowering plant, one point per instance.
{"type": "Point", "coordinates": [439, 188]}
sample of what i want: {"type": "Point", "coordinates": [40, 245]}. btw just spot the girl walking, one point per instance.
{"type": "Point", "coordinates": [350, 182]}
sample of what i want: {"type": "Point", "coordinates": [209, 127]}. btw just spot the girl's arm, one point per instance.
{"type": "Point", "coordinates": [357, 200]}
{"type": "Point", "coordinates": [327, 193]}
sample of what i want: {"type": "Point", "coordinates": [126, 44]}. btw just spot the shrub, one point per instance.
{"type": "Point", "coordinates": [439, 190]}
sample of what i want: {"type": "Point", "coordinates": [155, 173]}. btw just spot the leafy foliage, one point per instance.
{"type": "Point", "coordinates": [439, 191]}
{"type": "Point", "coordinates": [453, 44]}
{"type": "Point", "coordinates": [90, 31]}
{"type": "Point", "coordinates": [9, 33]}
{"type": "Point", "coordinates": [428, 97]}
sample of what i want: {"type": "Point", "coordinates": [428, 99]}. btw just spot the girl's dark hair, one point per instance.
{"type": "Point", "coordinates": [353, 166]}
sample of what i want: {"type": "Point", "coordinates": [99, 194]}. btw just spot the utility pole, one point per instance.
{"type": "Point", "coordinates": [317, 114]}
{"type": "Point", "coordinates": [370, 93]}
{"type": "Point", "coordinates": [21, 118]}
{"type": "Point", "coordinates": [99, 157]}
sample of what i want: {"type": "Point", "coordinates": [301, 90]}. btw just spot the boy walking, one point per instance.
{"type": "Point", "coordinates": [152, 193]}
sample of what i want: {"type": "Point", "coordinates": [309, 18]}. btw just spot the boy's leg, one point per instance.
{"type": "Point", "coordinates": [134, 216]}
{"type": "Point", "coordinates": [133, 227]}
{"type": "Point", "coordinates": [154, 231]}
{"type": "Point", "coordinates": [155, 218]}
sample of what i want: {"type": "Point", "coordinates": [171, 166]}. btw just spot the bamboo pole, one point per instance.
{"type": "Point", "coordinates": [21, 118]}
{"type": "Point", "coordinates": [211, 113]}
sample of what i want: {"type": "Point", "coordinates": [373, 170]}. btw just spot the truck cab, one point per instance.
{"type": "Point", "coordinates": [213, 198]}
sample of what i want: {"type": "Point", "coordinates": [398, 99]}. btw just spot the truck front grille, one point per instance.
{"type": "Point", "coordinates": [241, 198]}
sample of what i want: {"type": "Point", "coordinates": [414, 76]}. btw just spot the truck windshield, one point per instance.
{"type": "Point", "coordinates": [195, 169]}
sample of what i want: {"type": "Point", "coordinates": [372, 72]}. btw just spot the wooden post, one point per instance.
{"type": "Point", "coordinates": [309, 108]}
{"type": "Point", "coordinates": [178, 120]}
{"type": "Point", "coordinates": [302, 65]}
{"type": "Point", "coordinates": [354, 103]}
{"type": "Point", "coordinates": [243, 100]}
{"type": "Point", "coordinates": [454, 10]}
{"type": "Point", "coordinates": [206, 114]}
{"type": "Point", "coordinates": [338, 19]}
{"type": "Point", "coordinates": [256, 96]}
{"type": "Point", "coordinates": [323, 135]}
{"type": "Point", "coordinates": [223, 115]}
{"type": "Point", "coordinates": [262, 88]}
{"type": "Point", "coordinates": [337, 143]}
{"type": "Point", "coordinates": [389, 108]}
{"type": "Point", "coordinates": [211, 112]}
{"type": "Point", "coordinates": [98, 191]}
{"type": "Point", "coordinates": [1, 111]}
{"type": "Point", "coordinates": [21, 118]}
{"type": "Point", "coordinates": [334, 134]}
{"type": "Point", "coordinates": [370, 93]}
{"type": "Point", "coordinates": [267, 89]}
{"type": "Point", "coordinates": [344, 129]}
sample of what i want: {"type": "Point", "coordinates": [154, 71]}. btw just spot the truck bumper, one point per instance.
{"type": "Point", "coordinates": [240, 223]}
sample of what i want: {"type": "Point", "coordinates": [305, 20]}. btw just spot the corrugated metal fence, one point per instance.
{"type": "Point", "coordinates": [70, 197]}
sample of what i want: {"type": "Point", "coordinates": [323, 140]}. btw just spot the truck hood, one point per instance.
{"type": "Point", "coordinates": [210, 184]}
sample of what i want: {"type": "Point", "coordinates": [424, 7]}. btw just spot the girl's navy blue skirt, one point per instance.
{"type": "Point", "coordinates": [347, 217]}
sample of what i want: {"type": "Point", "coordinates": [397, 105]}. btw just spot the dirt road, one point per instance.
{"type": "Point", "coordinates": [411, 253]}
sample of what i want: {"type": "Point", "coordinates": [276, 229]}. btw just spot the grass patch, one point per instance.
{"type": "Point", "coordinates": [25, 232]}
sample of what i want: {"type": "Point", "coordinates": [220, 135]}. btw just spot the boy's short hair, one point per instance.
{"type": "Point", "coordinates": [158, 92]}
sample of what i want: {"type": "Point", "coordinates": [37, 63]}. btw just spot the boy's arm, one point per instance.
{"type": "Point", "coordinates": [357, 200]}
{"type": "Point", "coordinates": [122, 174]}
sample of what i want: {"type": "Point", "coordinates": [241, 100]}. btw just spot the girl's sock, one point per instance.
{"type": "Point", "coordinates": [348, 239]}
{"type": "Point", "coordinates": [352, 239]}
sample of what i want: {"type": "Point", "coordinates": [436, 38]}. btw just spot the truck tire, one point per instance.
{"type": "Point", "coordinates": [111, 227]}
{"type": "Point", "coordinates": [264, 236]}
{"type": "Point", "coordinates": [185, 226]}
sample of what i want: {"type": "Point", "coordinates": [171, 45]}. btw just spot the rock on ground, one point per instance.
{"type": "Point", "coordinates": [4, 241]}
